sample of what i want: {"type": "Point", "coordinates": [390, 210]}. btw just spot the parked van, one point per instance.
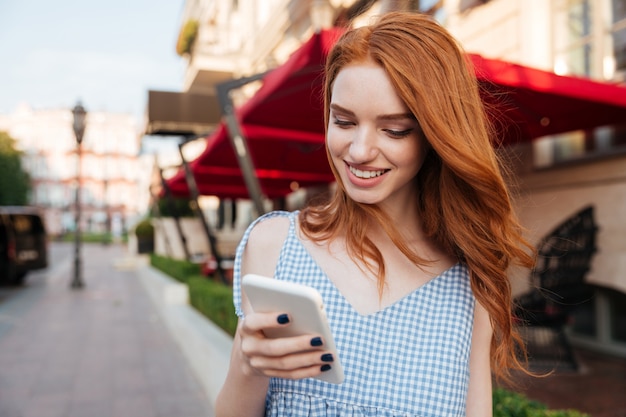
{"type": "Point", "coordinates": [23, 243]}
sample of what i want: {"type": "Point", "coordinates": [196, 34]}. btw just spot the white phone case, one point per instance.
{"type": "Point", "coordinates": [306, 312]}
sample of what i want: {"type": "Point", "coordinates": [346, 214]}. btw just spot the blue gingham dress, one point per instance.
{"type": "Point", "coordinates": [409, 359]}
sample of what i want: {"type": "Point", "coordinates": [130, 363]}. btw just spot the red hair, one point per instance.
{"type": "Point", "coordinates": [463, 201]}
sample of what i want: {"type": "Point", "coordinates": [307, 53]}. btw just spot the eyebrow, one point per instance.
{"type": "Point", "coordinates": [393, 116]}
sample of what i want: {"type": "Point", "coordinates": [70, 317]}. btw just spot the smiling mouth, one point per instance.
{"type": "Point", "coordinates": [366, 174]}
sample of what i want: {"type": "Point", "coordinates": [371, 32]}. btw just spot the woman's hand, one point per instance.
{"type": "Point", "coordinates": [287, 357]}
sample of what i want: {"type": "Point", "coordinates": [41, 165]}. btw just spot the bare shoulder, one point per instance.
{"type": "Point", "coordinates": [264, 245]}
{"type": "Point", "coordinates": [269, 232]}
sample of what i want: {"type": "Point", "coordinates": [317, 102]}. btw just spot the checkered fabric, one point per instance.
{"type": "Point", "coordinates": [409, 359]}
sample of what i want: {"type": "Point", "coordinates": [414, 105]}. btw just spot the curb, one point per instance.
{"type": "Point", "coordinates": [205, 346]}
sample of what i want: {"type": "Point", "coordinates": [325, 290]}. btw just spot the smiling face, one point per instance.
{"type": "Point", "coordinates": [373, 139]}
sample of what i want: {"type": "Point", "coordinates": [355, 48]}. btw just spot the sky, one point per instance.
{"type": "Point", "coordinates": [105, 53]}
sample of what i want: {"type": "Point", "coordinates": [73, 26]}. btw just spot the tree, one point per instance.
{"type": "Point", "coordinates": [14, 181]}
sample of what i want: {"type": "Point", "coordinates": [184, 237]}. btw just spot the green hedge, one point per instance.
{"type": "Point", "coordinates": [89, 237]}
{"type": "Point", "coordinates": [177, 269]}
{"type": "Point", "coordinates": [211, 298]}
{"type": "Point", "coordinates": [511, 404]}
{"type": "Point", "coordinates": [215, 301]}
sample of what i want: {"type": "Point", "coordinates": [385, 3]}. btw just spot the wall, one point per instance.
{"type": "Point", "coordinates": [512, 30]}
{"type": "Point", "coordinates": [549, 196]}
{"type": "Point", "coordinates": [167, 241]}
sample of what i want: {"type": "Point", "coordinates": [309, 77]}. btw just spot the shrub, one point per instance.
{"type": "Point", "coordinates": [214, 300]}
{"type": "Point", "coordinates": [178, 269]}
{"type": "Point", "coordinates": [510, 404]}
{"type": "Point", "coordinates": [187, 37]}
{"type": "Point", "coordinates": [144, 229]}
{"type": "Point", "coordinates": [89, 237]}
{"type": "Point", "coordinates": [175, 207]}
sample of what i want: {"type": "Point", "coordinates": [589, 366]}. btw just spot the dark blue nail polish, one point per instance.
{"type": "Point", "coordinates": [325, 368]}
{"type": "Point", "coordinates": [327, 357]}
{"type": "Point", "coordinates": [316, 341]}
{"type": "Point", "coordinates": [283, 319]}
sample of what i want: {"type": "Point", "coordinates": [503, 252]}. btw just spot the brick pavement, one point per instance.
{"type": "Point", "coordinates": [102, 351]}
{"type": "Point", "coordinates": [598, 388]}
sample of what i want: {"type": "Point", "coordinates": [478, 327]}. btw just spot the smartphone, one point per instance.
{"type": "Point", "coordinates": [306, 313]}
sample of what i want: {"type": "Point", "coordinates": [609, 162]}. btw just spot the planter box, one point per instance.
{"type": "Point", "coordinates": [167, 241]}
{"type": "Point", "coordinates": [145, 245]}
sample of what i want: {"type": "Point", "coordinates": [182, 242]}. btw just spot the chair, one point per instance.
{"type": "Point", "coordinates": [558, 288]}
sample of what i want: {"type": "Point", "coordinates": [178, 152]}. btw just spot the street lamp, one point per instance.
{"type": "Point", "coordinates": [79, 129]}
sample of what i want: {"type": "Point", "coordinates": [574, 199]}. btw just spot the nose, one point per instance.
{"type": "Point", "coordinates": [364, 145]}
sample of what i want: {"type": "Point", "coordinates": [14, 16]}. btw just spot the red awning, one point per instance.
{"type": "Point", "coordinates": [283, 121]}
{"type": "Point", "coordinates": [282, 164]}
{"type": "Point", "coordinates": [528, 103]}
{"type": "Point", "coordinates": [284, 126]}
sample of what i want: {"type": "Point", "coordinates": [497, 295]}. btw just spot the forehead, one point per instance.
{"type": "Point", "coordinates": [366, 85]}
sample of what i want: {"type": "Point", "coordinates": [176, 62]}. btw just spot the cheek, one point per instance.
{"type": "Point", "coordinates": [411, 157]}
{"type": "Point", "coordinates": [336, 141]}
{"type": "Point", "coordinates": [419, 154]}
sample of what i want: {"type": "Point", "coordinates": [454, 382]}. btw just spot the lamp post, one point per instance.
{"type": "Point", "coordinates": [80, 115]}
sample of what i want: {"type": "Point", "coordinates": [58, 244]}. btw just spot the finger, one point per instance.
{"type": "Point", "coordinates": [300, 373]}
{"type": "Point", "coordinates": [255, 322]}
{"type": "Point", "coordinates": [261, 346]}
{"type": "Point", "coordinates": [292, 362]}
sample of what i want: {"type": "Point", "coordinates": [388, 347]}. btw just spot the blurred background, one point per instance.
{"type": "Point", "coordinates": [167, 87]}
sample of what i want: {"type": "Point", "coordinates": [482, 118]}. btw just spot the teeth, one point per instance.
{"type": "Point", "coordinates": [366, 174]}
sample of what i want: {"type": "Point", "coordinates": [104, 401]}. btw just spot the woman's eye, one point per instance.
{"type": "Point", "coordinates": [398, 133]}
{"type": "Point", "coordinates": [340, 122]}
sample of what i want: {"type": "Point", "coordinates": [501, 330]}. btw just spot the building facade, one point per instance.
{"type": "Point", "coordinates": [231, 39]}
{"type": "Point", "coordinates": [236, 38]}
{"type": "Point", "coordinates": [113, 180]}
{"type": "Point", "coordinates": [554, 176]}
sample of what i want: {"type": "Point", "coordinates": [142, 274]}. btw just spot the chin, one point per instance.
{"type": "Point", "coordinates": [363, 199]}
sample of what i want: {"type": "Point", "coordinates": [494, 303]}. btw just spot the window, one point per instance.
{"type": "Point", "coordinates": [586, 43]}
{"type": "Point", "coordinates": [573, 37]}
{"type": "Point", "coordinates": [600, 323]}
{"type": "Point", "coordinates": [584, 321]}
{"type": "Point", "coordinates": [466, 5]}
{"type": "Point", "coordinates": [618, 34]}
{"type": "Point", "coordinates": [579, 145]}
{"type": "Point", "coordinates": [618, 316]}
{"type": "Point", "coordinates": [27, 225]}
{"type": "Point", "coordinates": [582, 47]}
{"type": "Point", "coordinates": [619, 49]}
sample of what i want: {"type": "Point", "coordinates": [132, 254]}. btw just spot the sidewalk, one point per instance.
{"type": "Point", "coordinates": [103, 351]}
{"type": "Point", "coordinates": [598, 388]}
{"type": "Point", "coordinates": [122, 347]}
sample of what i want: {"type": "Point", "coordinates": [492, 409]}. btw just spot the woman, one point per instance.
{"type": "Point", "coordinates": [410, 254]}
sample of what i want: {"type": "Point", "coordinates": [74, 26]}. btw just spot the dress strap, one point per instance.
{"type": "Point", "coordinates": [242, 245]}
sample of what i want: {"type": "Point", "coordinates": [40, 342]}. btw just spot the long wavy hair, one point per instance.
{"type": "Point", "coordinates": [463, 202]}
